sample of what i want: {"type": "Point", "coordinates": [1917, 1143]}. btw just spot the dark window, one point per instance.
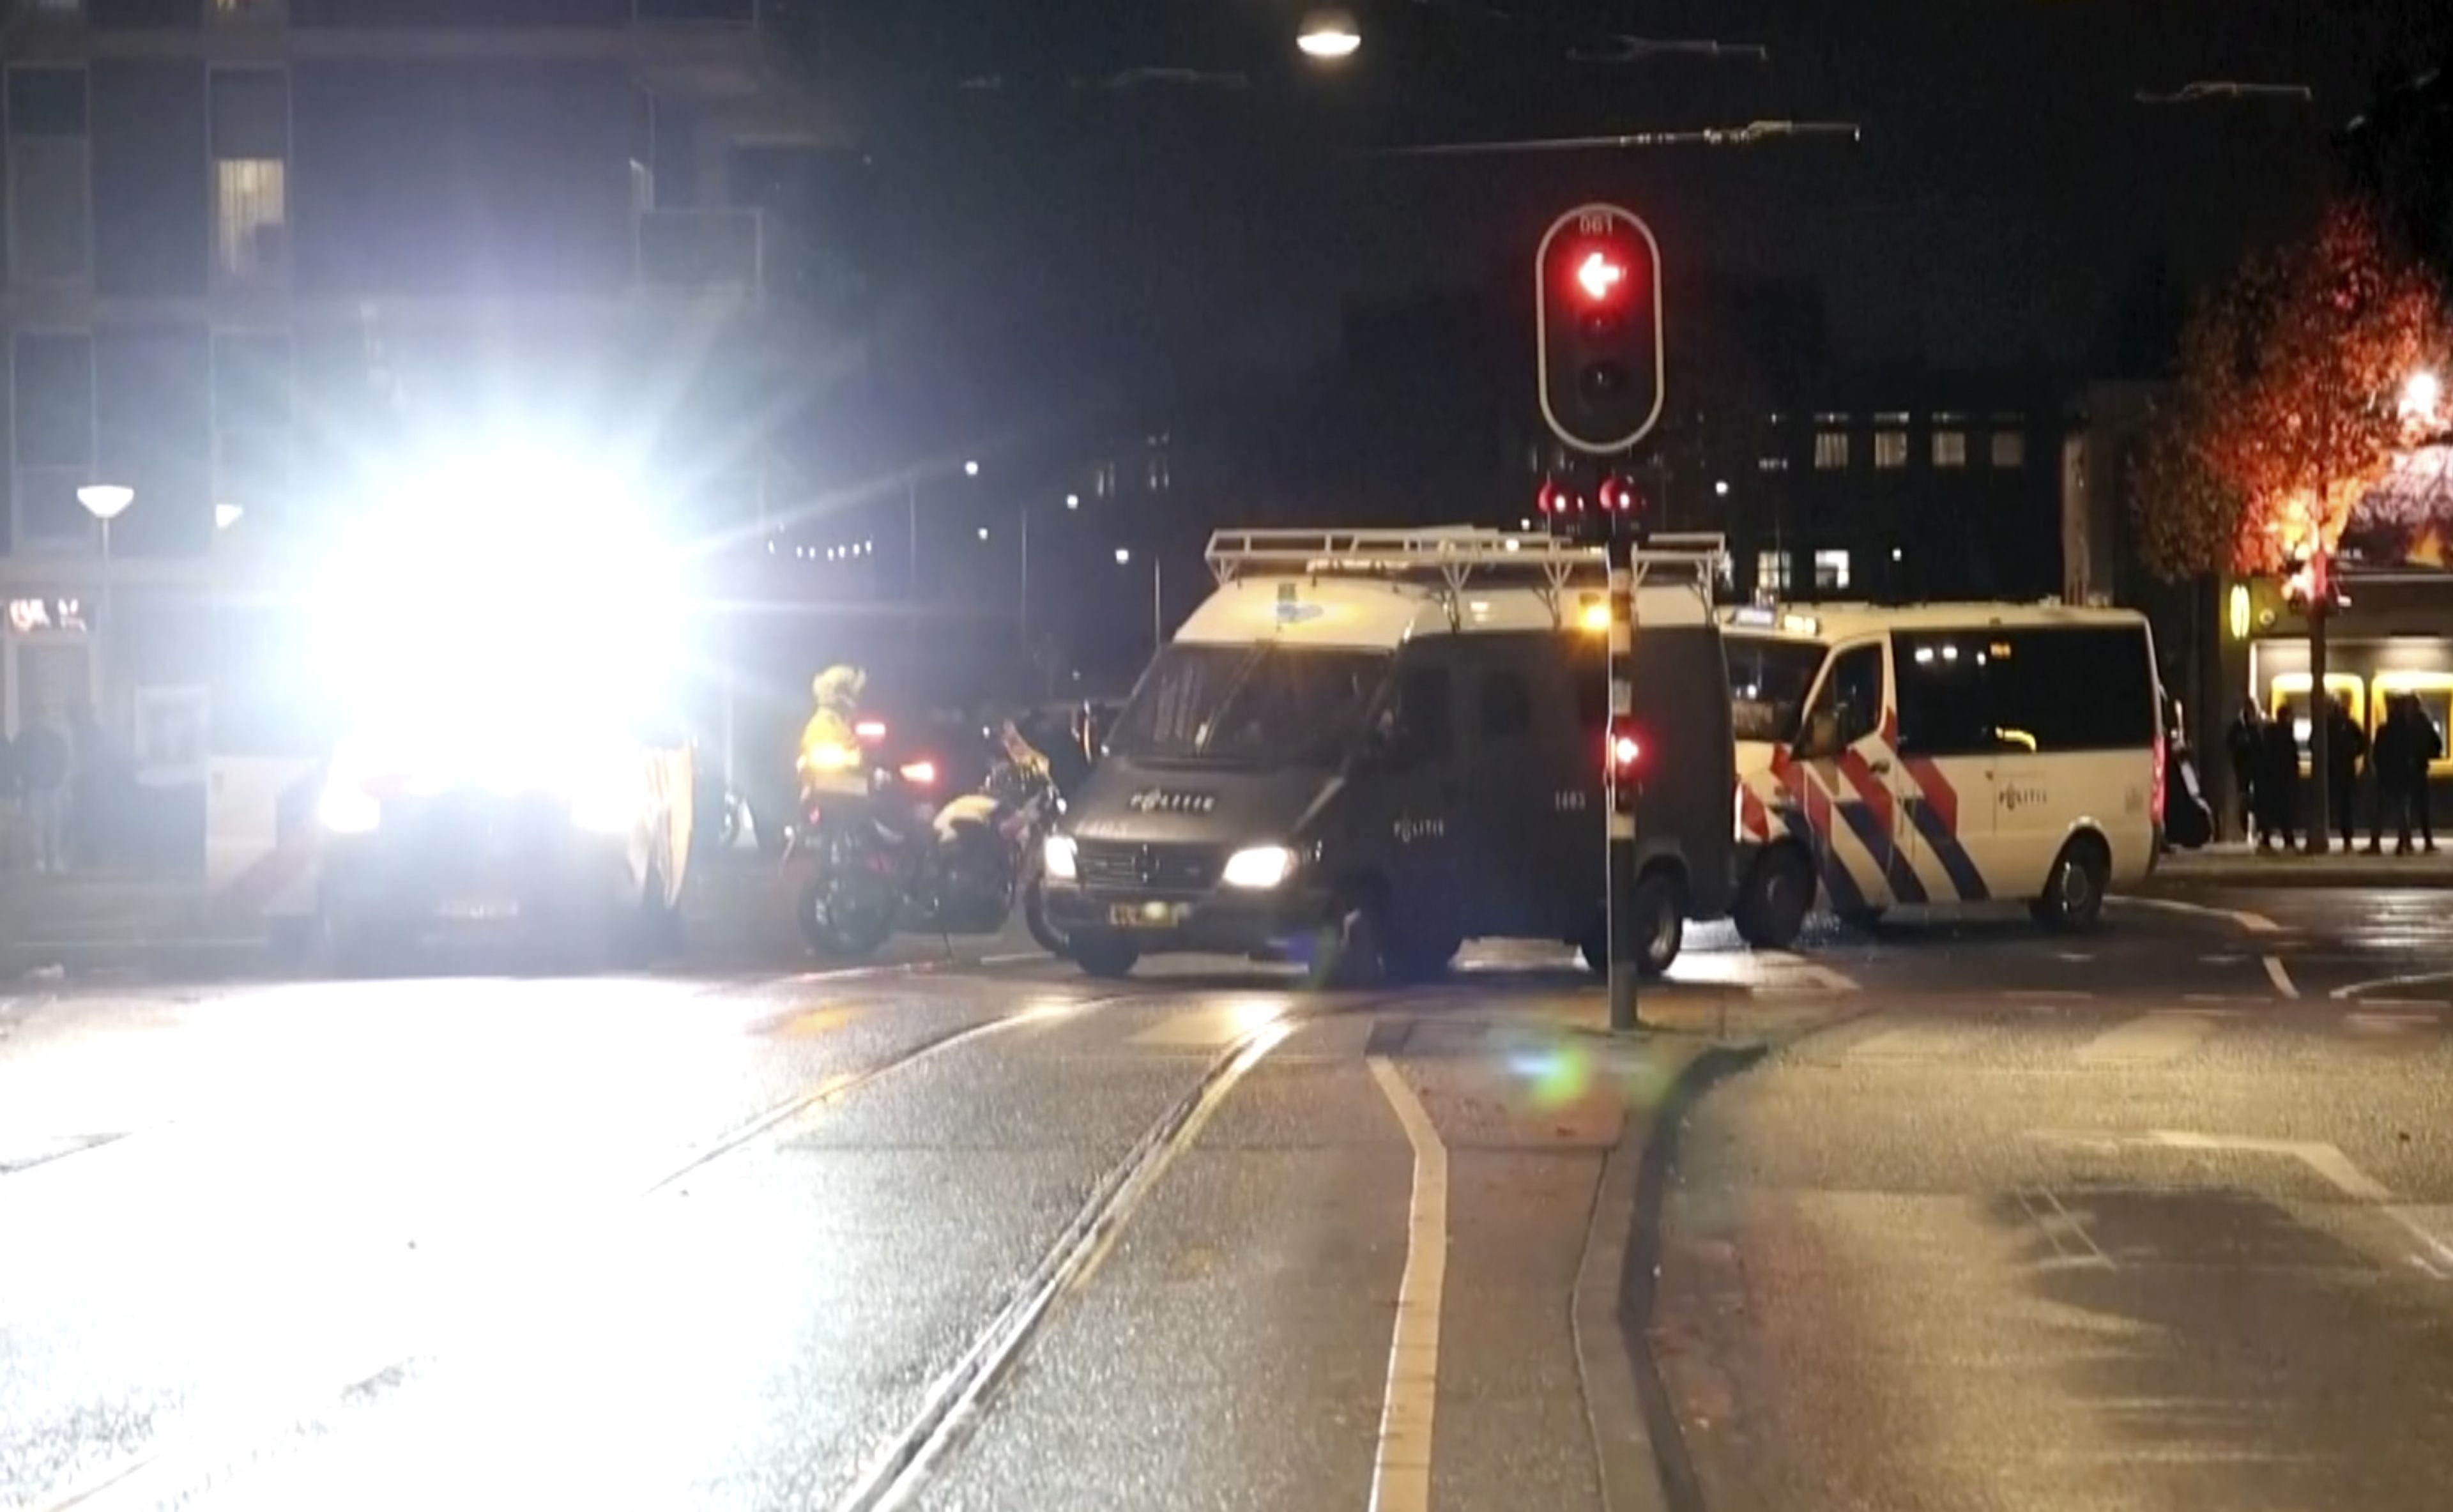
{"type": "Point", "coordinates": [1505, 708]}
{"type": "Point", "coordinates": [1768, 680]}
{"type": "Point", "coordinates": [54, 394]}
{"type": "Point", "coordinates": [1849, 707]}
{"type": "Point", "coordinates": [1425, 717]}
{"type": "Point", "coordinates": [1983, 692]}
{"type": "Point", "coordinates": [1262, 704]}
{"type": "Point", "coordinates": [250, 113]}
{"type": "Point", "coordinates": [45, 102]}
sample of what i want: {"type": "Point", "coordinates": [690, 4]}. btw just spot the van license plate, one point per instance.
{"type": "Point", "coordinates": [1144, 915]}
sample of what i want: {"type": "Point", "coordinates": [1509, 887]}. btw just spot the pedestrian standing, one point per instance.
{"type": "Point", "coordinates": [2425, 743]}
{"type": "Point", "coordinates": [2389, 763]}
{"type": "Point", "coordinates": [43, 777]}
{"type": "Point", "coordinates": [2245, 744]}
{"type": "Point", "coordinates": [2346, 744]}
{"type": "Point", "coordinates": [2278, 785]}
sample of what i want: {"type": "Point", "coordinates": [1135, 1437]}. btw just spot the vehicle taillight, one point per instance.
{"type": "Point", "coordinates": [870, 732]}
{"type": "Point", "coordinates": [920, 773]}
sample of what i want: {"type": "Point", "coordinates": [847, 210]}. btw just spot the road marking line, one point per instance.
{"type": "Point", "coordinates": [2357, 988]}
{"type": "Point", "coordinates": [2280, 978]}
{"type": "Point", "coordinates": [2386, 1023]}
{"type": "Point", "coordinates": [1401, 1470]}
{"type": "Point", "coordinates": [1916, 1042]}
{"type": "Point", "coordinates": [2045, 994]}
{"type": "Point", "coordinates": [2087, 1254]}
{"type": "Point", "coordinates": [2154, 1039]}
{"type": "Point", "coordinates": [2253, 922]}
{"type": "Point", "coordinates": [2220, 997]}
{"type": "Point", "coordinates": [2326, 1159]}
{"type": "Point", "coordinates": [817, 1022]}
{"type": "Point", "coordinates": [1015, 958]}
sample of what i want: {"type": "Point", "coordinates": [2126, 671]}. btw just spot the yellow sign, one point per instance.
{"type": "Point", "coordinates": [2239, 611]}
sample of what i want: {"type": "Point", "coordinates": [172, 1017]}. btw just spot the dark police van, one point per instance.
{"type": "Point", "coordinates": [1368, 747]}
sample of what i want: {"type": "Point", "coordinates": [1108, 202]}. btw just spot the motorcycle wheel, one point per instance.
{"type": "Point", "coordinates": [1034, 917]}
{"type": "Point", "coordinates": [845, 916]}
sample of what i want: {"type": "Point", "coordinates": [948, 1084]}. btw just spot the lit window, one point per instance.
{"type": "Point", "coordinates": [251, 146]}
{"type": "Point", "coordinates": [1772, 571]}
{"type": "Point", "coordinates": [1831, 570]}
{"type": "Point", "coordinates": [2009, 448]}
{"type": "Point", "coordinates": [1830, 449]}
{"type": "Point", "coordinates": [1890, 449]}
{"type": "Point", "coordinates": [250, 211]}
{"type": "Point", "coordinates": [1772, 464]}
{"type": "Point", "coordinates": [244, 10]}
{"type": "Point", "coordinates": [1950, 448]}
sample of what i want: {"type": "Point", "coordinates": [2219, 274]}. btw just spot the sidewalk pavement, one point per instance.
{"type": "Point", "coordinates": [2238, 864]}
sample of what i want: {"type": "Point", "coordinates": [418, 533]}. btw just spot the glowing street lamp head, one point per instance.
{"type": "Point", "coordinates": [2420, 395]}
{"type": "Point", "coordinates": [1329, 36]}
{"type": "Point", "coordinates": [106, 501]}
{"type": "Point", "coordinates": [1123, 555]}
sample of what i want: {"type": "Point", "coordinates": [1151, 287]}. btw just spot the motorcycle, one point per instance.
{"type": "Point", "coordinates": [894, 858]}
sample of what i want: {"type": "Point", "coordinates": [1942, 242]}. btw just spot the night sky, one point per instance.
{"type": "Point", "coordinates": [1054, 234]}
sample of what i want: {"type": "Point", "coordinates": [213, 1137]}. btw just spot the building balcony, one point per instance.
{"type": "Point", "coordinates": [705, 250]}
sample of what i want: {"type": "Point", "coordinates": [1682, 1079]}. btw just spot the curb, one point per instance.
{"type": "Point", "coordinates": [1645, 1467]}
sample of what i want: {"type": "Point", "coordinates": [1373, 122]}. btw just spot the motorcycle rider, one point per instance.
{"type": "Point", "coordinates": [830, 760]}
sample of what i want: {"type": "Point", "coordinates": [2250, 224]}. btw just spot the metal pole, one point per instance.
{"type": "Point", "coordinates": [1621, 795]}
{"type": "Point", "coordinates": [1158, 602]}
{"type": "Point", "coordinates": [911, 551]}
{"type": "Point", "coordinates": [1026, 580]}
{"type": "Point", "coordinates": [108, 634]}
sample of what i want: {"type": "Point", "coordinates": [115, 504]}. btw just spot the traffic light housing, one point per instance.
{"type": "Point", "coordinates": [1597, 306]}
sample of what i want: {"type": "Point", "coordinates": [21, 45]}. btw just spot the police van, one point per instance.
{"type": "Point", "coordinates": [1368, 747]}
{"type": "Point", "coordinates": [1940, 754]}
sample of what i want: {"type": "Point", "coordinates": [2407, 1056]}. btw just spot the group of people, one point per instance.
{"type": "Point", "coordinates": [2265, 773]}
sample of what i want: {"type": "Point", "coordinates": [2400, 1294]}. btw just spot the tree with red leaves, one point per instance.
{"type": "Point", "coordinates": [2288, 408]}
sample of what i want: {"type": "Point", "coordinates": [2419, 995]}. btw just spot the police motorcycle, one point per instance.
{"type": "Point", "coordinates": [899, 856]}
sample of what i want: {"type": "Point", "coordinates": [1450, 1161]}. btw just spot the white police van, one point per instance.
{"type": "Point", "coordinates": [1373, 745]}
{"type": "Point", "coordinates": [1940, 754]}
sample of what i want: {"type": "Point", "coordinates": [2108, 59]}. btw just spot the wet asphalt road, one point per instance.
{"type": "Point", "coordinates": [2159, 1219]}
{"type": "Point", "coordinates": [987, 1235]}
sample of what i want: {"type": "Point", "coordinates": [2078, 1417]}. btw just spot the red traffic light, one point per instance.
{"type": "Point", "coordinates": [1626, 751]}
{"type": "Point", "coordinates": [1599, 275]}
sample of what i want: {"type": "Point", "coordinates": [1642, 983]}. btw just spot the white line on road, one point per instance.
{"type": "Point", "coordinates": [1401, 1470]}
{"type": "Point", "coordinates": [2280, 978]}
{"type": "Point", "coordinates": [2253, 922]}
{"type": "Point", "coordinates": [2154, 1039]}
{"type": "Point", "coordinates": [2326, 1159]}
{"type": "Point", "coordinates": [2362, 988]}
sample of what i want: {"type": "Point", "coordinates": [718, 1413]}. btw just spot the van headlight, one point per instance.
{"type": "Point", "coordinates": [345, 807]}
{"type": "Point", "coordinates": [609, 802]}
{"type": "Point", "coordinates": [1259, 867]}
{"type": "Point", "coordinates": [1056, 856]}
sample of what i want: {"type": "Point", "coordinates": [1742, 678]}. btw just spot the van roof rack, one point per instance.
{"type": "Point", "coordinates": [1453, 556]}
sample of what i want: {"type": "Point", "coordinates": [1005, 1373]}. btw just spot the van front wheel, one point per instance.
{"type": "Point", "coordinates": [2073, 896]}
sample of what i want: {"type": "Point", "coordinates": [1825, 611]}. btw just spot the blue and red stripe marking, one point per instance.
{"type": "Point", "coordinates": [1936, 817]}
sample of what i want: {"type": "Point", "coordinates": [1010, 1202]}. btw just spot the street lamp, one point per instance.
{"type": "Point", "coordinates": [226, 515]}
{"type": "Point", "coordinates": [1072, 501]}
{"type": "Point", "coordinates": [2421, 394]}
{"type": "Point", "coordinates": [1158, 595]}
{"type": "Point", "coordinates": [1329, 36]}
{"type": "Point", "coordinates": [970, 470]}
{"type": "Point", "coordinates": [106, 502]}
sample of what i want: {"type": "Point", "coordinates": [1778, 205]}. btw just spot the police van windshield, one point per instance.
{"type": "Point", "coordinates": [1250, 704]}
{"type": "Point", "coordinates": [1768, 680]}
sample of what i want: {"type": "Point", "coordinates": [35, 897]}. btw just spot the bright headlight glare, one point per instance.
{"type": "Point", "coordinates": [608, 803]}
{"type": "Point", "coordinates": [1057, 854]}
{"type": "Point", "coordinates": [345, 808]}
{"type": "Point", "coordinates": [1259, 867]}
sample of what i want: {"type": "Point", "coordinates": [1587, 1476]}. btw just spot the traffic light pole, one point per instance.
{"type": "Point", "coordinates": [1622, 784]}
